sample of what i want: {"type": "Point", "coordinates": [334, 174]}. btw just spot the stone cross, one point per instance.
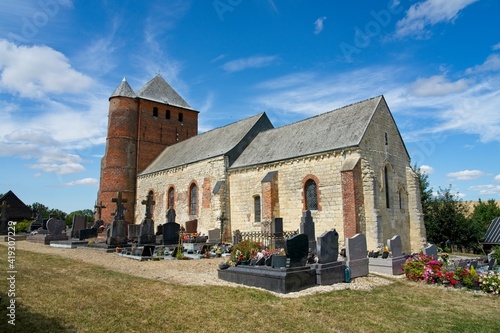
{"type": "Point", "coordinates": [120, 209]}
{"type": "Point", "coordinates": [149, 205]}
{"type": "Point", "coordinates": [98, 208]}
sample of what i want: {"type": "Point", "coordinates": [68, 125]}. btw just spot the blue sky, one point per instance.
{"type": "Point", "coordinates": [437, 62]}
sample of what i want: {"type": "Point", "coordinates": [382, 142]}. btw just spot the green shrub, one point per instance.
{"type": "Point", "coordinates": [22, 226]}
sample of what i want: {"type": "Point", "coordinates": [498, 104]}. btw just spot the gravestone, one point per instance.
{"type": "Point", "coordinates": [328, 269]}
{"type": "Point", "coordinates": [54, 232]}
{"type": "Point", "coordinates": [37, 223]}
{"type": "Point", "coordinates": [214, 236]}
{"type": "Point", "coordinates": [171, 215]}
{"type": "Point", "coordinates": [307, 228]}
{"type": "Point", "coordinates": [79, 223]}
{"type": "Point", "coordinates": [134, 231]}
{"type": "Point", "coordinates": [192, 227]}
{"type": "Point", "coordinates": [392, 265]}
{"type": "Point", "coordinates": [432, 251]}
{"type": "Point", "coordinates": [147, 227]}
{"type": "Point", "coordinates": [297, 249]}
{"type": "Point", "coordinates": [98, 209]}
{"type": "Point", "coordinates": [277, 240]}
{"type": "Point", "coordinates": [356, 252]}
{"type": "Point", "coordinates": [171, 233]}
{"type": "Point", "coordinates": [56, 226]}
{"type": "Point", "coordinates": [237, 238]}
{"type": "Point", "coordinates": [116, 234]}
{"type": "Point", "coordinates": [328, 247]}
{"type": "Point", "coordinates": [87, 233]}
{"type": "Point", "coordinates": [395, 246]}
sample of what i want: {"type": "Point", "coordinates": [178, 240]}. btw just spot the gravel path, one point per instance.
{"type": "Point", "coordinates": [188, 272]}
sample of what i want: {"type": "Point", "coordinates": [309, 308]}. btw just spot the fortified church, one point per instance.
{"type": "Point", "coordinates": [349, 167]}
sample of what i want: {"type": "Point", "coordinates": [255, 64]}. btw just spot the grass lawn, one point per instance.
{"type": "Point", "coordinates": [55, 294]}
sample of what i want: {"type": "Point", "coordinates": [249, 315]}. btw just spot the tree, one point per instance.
{"type": "Point", "coordinates": [447, 220]}
{"type": "Point", "coordinates": [484, 213]}
{"type": "Point", "coordinates": [85, 212]}
{"type": "Point", "coordinates": [38, 208]}
{"type": "Point", "coordinates": [425, 190]}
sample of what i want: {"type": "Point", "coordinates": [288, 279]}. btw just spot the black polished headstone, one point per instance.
{"type": "Point", "coordinates": [171, 233]}
{"type": "Point", "coordinates": [297, 249]}
{"type": "Point", "coordinates": [328, 247]}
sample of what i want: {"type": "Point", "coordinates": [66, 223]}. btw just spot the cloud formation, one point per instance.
{"type": "Point", "coordinates": [34, 71]}
{"type": "Point", "coordinates": [92, 182]}
{"type": "Point", "coordinates": [466, 175]}
{"type": "Point", "coordinates": [428, 13]}
{"type": "Point", "coordinates": [318, 25]}
{"type": "Point", "coordinates": [250, 62]}
{"type": "Point", "coordinates": [437, 85]}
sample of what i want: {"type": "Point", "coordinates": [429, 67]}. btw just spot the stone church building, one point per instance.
{"type": "Point", "coordinates": [349, 167]}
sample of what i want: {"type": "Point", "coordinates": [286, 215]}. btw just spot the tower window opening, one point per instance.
{"type": "Point", "coordinates": [181, 116]}
{"type": "Point", "coordinates": [155, 112]}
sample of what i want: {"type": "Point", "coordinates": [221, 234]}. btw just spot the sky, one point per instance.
{"type": "Point", "coordinates": [437, 62]}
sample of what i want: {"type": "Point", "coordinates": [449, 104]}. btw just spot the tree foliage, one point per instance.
{"type": "Point", "coordinates": [447, 221]}
{"type": "Point", "coordinates": [484, 213]}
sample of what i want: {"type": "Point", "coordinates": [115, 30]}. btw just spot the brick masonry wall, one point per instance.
{"type": "Point", "coordinates": [135, 138]}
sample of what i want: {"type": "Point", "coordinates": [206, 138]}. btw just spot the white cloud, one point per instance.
{"type": "Point", "coordinates": [466, 175]}
{"type": "Point", "coordinates": [437, 85]}
{"type": "Point", "coordinates": [427, 13]}
{"type": "Point", "coordinates": [425, 169]}
{"type": "Point", "coordinates": [60, 169]}
{"type": "Point", "coordinates": [497, 178]}
{"type": "Point", "coordinates": [496, 47]}
{"type": "Point", "coordinates": [492, 63]}
{"type": "Point", "coordinates": [34, 71]}
{"type": "Point", "coordinates": [250, 62]}
{"type": "Point", "coordinates": [486, 189]}
{"type": "Point", "coordinates": [318, 25]}
{"type": "Point", "coordinates": [92, 182]}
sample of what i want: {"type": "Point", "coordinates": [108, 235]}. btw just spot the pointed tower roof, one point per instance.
{"type": "Point", "coordinates": [158, 90]}
{"type": "Point", "coordinates": [123, 90]}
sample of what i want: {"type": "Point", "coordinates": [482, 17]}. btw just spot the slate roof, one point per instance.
{"type": "Point", "coordinates": [16, 210]}
{"type": "Point", "coordinates": [340, 128]}
{"type": "Point", "coordinates": [492, 235]}
{"type": "Point", "coordinates": [123, 90]}
{"type": "Point", "coordinates": [227, 140]}
{"type": "Point", "coordinates": [158, 90]}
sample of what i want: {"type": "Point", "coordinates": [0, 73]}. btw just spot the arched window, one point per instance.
{"type": "Point", "coordinates": [193, 199]}
{"type": "Point", "coordinates": [170, 195]}
{"type": "Point", "coordinates": [256, 208]}
{"type": "Point", "coordinates": [311, 195]}
{"type": "Point", "coordinates": [386, 183]}
{"type": "Point", "coordinates": [167, 114]}
{"type": "Point", "coordinates": [155, 112]}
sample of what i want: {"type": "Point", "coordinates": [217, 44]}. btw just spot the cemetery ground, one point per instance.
{"type": "Point", "coordinates": [85, 290]}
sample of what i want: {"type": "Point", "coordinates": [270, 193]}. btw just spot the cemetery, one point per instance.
{"type": "Point", "coordinates": [278, 261]}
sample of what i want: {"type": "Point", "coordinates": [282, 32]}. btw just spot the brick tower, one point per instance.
{"type": "Point", "coordinates": [140, 126]}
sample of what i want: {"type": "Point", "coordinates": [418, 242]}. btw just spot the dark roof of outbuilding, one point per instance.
{"type": "Point", "coordinates": [340, 128]}
{"type": "Point", "coordinates": [492, 235]}
{"type": "Point", "coordinates": [16, 210]}
{"type": "Point", "coordinates": [228, 140]}
{"type": "Point", "coordinates": [158, 90]}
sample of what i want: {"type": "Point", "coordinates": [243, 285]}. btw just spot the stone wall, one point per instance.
{"type": "Point", "coordinates": [204, 174]}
